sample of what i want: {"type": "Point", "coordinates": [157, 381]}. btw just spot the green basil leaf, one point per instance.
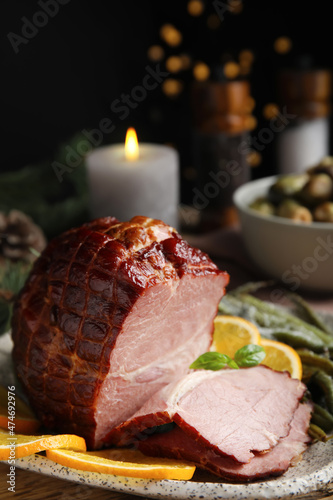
{"type": "Point", "coordinates": [212, 361]}
{"type": "Point", "coordinates": [250, 355]}
{"type": "Point", "coordinates": [232, 364]}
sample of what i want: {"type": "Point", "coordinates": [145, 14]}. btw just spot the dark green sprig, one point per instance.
{"type": "Point", "coordinates": [249, 355]}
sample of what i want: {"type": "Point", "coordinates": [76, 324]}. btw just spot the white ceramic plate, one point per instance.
{"type": "Point", "coordinates": [312, 478]}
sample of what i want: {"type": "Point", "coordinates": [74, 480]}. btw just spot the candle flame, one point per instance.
{"type": "Point", "coordinates": [131, 145]}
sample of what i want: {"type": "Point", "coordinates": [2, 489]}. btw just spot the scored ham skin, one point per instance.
{"type": "Point", "coordinates": [236, 413]}
{"type": "Point", "coordinates": [179, 445]}
{"type": "Point", "coordinates": [110, 313]}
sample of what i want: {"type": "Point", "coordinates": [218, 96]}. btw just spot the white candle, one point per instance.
{"type": "Point", "coordinates": [142, 181]}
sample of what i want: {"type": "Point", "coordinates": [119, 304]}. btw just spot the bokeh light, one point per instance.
{"type": "Point", "coordinates": [282, 45]}
{"type": "Point", "coordinates": [171, 35]}
{"type": "Point", "coordinates": [251, 122]}
{"type": "Point", "coordinates": [254, 158]}
{"type": "Point", "coordinates": [231, 69]}
{"type": "Point", "coordinates": [235, 6]}
{"type": "Point", "coordinates": [195, 7]}
{"type": "Point", "coordinates": [172, 87]}
{"type": "Point", "coordinates": [270, 110]}
{"type": "Point", "coordinates": [174, 64]}
{"type": "Point", "coordinates": [155, 53]}
{"type": "Point", "coordinates": [201, 71]}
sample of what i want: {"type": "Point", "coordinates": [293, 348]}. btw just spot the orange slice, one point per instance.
{"type": "Point", "coordinates": [14, 445]}
{"type": "Point", "coordinates": [123, 462]}
{"type": "Point", "coordinates": [15, 414]}
{"type": "Point", "coordinates": [281, 357]}
{"type": "Point", "coordinates": [232, 332]}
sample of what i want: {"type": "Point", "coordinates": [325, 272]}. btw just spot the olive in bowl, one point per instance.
{"type": "Point", "coordinates": [296, 252]}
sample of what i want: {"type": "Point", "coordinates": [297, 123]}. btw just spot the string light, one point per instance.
{"type": "Point", "coordinates": [155, 53]}
{"type": "Point", "coordinates": [231, 69]}
{"type": "Point", "coordinates": [195, 7]}
{"type": "Point", "coordinates": [253, 158]}
{"type": "Point", "coordinates": [270, 110]}
{"type": "Point", "coordinates": [174, 64]}
{"type": "Point", "coordinates": [235, 6]}
{"type": "Point", "coordinates": [282, 45]}
{"type": "Point", "coordinates": [201, 71]}
{"type": "Point", "coordinates": [171, 35]}
{"type": "Point", "coordinates": [251, 122]}
{"type": "Point", "coordinates": [246, 56]}
{"type": "Point", "coordinates": [172, 87]}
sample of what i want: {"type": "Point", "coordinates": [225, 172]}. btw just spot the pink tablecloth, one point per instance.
{"type": "Point", "coordinates": [226, 248]}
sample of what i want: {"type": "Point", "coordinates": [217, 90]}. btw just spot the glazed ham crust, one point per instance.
{"type": "Point", "coordinates": [111, 313]}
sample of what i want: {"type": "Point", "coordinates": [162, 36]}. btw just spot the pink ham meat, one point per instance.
{"type": "Point", "coordinates": [177, 444]}
{"type": "Point", "coordinates": [110, 314]}
{"type": "Point", "coordinates": [235, 413]}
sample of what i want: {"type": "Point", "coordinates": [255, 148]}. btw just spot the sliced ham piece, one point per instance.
{"type": "Point", "coordinates": [111, 313]}
{"type": "Point", "coordinates": [177, 444]}
{"type": "Point", "coordinates": [235, 413]}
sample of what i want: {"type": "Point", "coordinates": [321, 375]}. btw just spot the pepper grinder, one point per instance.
{"type": "Point", "coordinates": [304, 95]}
{"type": "Point", "coordinates": [220, 111]}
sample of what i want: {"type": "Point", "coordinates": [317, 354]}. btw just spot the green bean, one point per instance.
{"type": "Point", "coordinates": [312, 359]}
{"type": "Point", "coordinates": [299, 339]}
{"type": "Point", "coordinates": [309, 314]}
{"type": "Point", "coordinates": [322, 418]}
{"type": "Point", "coordinates": [274, 317]}
{"type": "Point", "coordinates": [325, 382]}
{"type": "Point", "coordinates": [317, 433]}
{"type": "Point", "coordinates": [282, 326]}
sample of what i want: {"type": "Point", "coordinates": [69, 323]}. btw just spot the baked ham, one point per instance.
{"type": "Point", "coordinates": [111, 313]}
{"type": "Point", "coordinates": [178, 444]}
{"type": "Point", "coordinates": [234, 413]}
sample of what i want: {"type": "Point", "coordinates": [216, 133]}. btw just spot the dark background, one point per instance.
{"type": "Point", "coordinates": [91, 52]}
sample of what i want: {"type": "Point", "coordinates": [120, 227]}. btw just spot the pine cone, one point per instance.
{"type": "Point", "coordinates": [18, 234]}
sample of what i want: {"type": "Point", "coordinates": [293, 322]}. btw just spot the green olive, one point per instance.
{"type": "Point", "coordinates": [319, 188]}
{"type": "Point", "coordinates": [291, 209]}
{"type": "Point", "coordinates": [324, 212]}
{"type": "Point", "coordinates": [287, 186]}
{"type": "Point", "coordinates": [263, 205]}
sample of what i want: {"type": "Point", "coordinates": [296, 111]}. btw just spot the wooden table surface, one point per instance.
{"type": "Point", "coordinates": [34, 486]}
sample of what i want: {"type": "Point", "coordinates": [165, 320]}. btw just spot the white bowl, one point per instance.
{"type": "Point", "coordinates": [297, 254]}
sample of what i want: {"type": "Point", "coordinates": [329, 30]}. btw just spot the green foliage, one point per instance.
{"type": "Point", "coordinates": [12, 278]}
{"type": "Point", "coordinates": [37, 191]}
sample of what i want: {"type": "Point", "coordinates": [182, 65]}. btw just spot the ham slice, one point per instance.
{"type": "Point", "coordinates": [235, 413]}
{"type": "Point", "coordinates": [177, 444]}
{"type": "Point", "coordinates": [111, 313]}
